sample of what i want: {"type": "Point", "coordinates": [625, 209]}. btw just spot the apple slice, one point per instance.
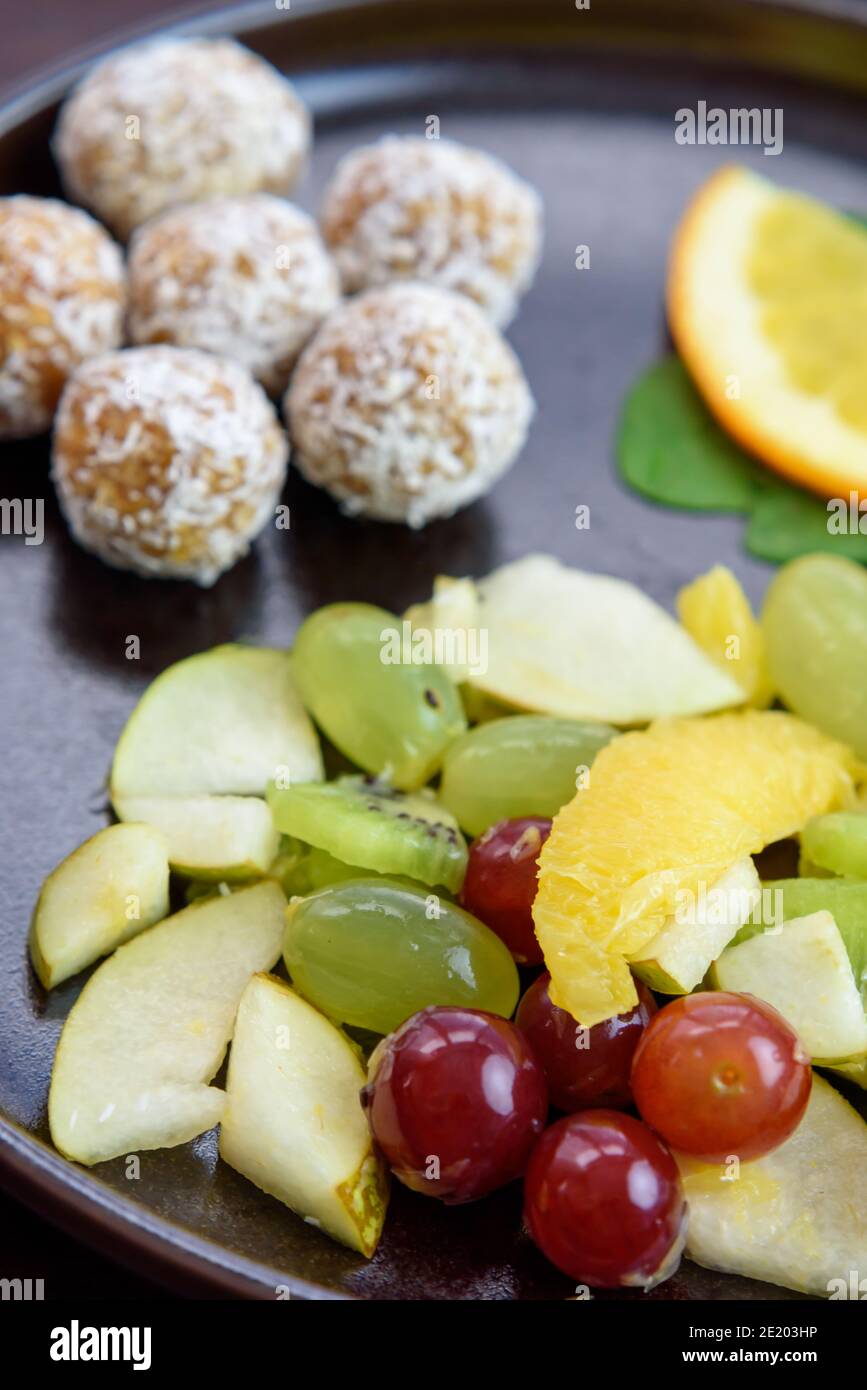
{"type": "Point", "coordinates": [150, 1028]}
{"type": "Point", "coordinates": [856, 1072]}
{"type": "Point", "coordinates": [225, 721]}
{"type": "Point", "coordinates": [677, 958]}
{"type": "Point", "coordinates": [804, 971]}
{"type": "Point", "coordinates": [794, 1217]}
{"type": "Point", "coordinates": [107, 890]}
{"type": "Point", "coordinates": [563, 641]}
{"type": "Point", "coordinates": [453, 612]}
{"type": "Point", "coordinates": [293, 1122]}
{"type": "Point", "coordinates": [209, 837]}
{"type": "Point", "coordinates": [846, 900]}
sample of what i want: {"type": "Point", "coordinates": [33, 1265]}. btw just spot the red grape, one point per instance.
{"type": "Point", "coordinates": [720, 1076]}
{"type": "Point", "coordinates": [583, 1066]}
{"type": "Point", "coordinates": [456, 1101]}
{"type": "Point", "coordinates": [500, 883]}
{"type": "Point", "coordinates": [604, 1202]}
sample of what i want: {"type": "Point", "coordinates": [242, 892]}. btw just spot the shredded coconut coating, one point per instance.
{"type": "Point", "coordinates": [247, 278]}
{"type": "Point", "coordinates": [167, 461]}
{"type": "Point", "coordinates": [62, 297]}
{"type": "Point", "coordinates": [408, 208]}
{"type": "Point", "coordinates": [407, 404]}
{"type": "Point", "coordinates": [172, 120]}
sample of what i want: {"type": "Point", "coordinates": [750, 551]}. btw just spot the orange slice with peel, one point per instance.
{"type": "Point", "coordinates": [767, 300]}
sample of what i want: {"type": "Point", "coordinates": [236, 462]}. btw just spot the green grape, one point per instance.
{"type": "Point", "coordinates": [815, 626]}
{"type": "Point", "coordinates": [837, 843]}
{"type": "Point", "coordinates": [371, 951]}
{"type": "Point", "coordinates": [323, 870]}
{"type": "Point", "coordinates": [291, 866]}
{"type": "Point", "coordinates": [390, 716]}
{"type": "Point", "coordinates": [807, 869]}
{"type": "Point", "coordinates": [527, 765]}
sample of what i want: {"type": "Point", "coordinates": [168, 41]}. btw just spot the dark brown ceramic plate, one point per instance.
{"type": "Point", "coordinates": [582, 103]}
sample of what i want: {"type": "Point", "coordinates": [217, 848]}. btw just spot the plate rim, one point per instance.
{"type": "Point", "coordinates": [48, 82]}
{"type": "Point", "coordinates": [122, 1228]}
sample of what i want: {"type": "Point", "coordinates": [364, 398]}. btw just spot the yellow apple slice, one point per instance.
{"type": "Point", "coordinates": [584, 646]}
{"type": "Point", "coordinates": [107, 890]}
{"type": "Point", "coordinates": [856, 1072]}
{"type": "Point", "coordinates": [293, 1122]}
{"type": "Point", "coordinates": [209, 837]}
{"type": "Point", "coordinates": [795, 1217]}
{"type": "Point", "coordinates": [451, 617]}
{"type": "Point", "coordinates": [150, 1028]}
{"type": "Point", "coordinates": [225, 722]}
{"type": "Point", "coordinates": [677, 959]}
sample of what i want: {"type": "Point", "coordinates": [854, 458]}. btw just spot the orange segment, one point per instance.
{"type": "Point", "coordinates": [717, 615]}
{"type": "Point", "coordinates": [667, 811]}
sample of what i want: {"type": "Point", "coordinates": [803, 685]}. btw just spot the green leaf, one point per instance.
{"type": "Point", "coordinates": [670, 448]}
{"type": "Point", "coordinates": [787, 522]}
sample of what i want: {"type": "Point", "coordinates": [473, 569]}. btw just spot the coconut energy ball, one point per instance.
{"type": "Point", "coordinates": [247, 278]}
{"type": "Point", "coordinates": [167, 461]}
{"type": "Point", "coordinates": [433, 210]}
{"type": "Point", "coordinates": [407, 404]}
{"type": "Point", "coordinates": [62, 296]}
{"type": "Point", "coordinates": [172, 120]}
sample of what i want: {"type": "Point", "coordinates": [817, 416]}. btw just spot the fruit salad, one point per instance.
{"type": "Point", "coordinates": [479, 895]}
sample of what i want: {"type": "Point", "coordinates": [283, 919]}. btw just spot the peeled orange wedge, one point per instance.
{"type": "Point", "coordinates": [666, 813]}
{"type": "Point", "coordinates": [717, 615]}
{"type": "Point", "coordinates": [767, 301]}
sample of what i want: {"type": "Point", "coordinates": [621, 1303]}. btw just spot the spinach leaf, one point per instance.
{"type": "Point", "coordinates": [670, 448]}
{"type": "Point", "coordinates": [787, 522]}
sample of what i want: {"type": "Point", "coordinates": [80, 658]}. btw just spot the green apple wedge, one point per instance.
{"type": "Point", "coordinates": [677, 958]}
{"type": "Point", "coordinates": [795, 1217]}
{"type": "Point", "coordinates": [220, 723]}
{"type": "Point", "coordinates": [106, 891]}
{"type": "Point", "coordinates": [804, 971]}
{"type": "Point", "coordinates": [293, 1122]}
{"type": "Point", "coordinates": [150, 1028]}
{"type": "Point", "coordinates": [846, 900]}
{"type": "Point", "coordinates": [210, 837]}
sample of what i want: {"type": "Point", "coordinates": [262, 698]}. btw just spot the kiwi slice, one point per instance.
{"type": "Point", "coordinates": [368, 825]}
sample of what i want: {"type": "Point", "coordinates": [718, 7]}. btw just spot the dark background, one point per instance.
{"type": "Point", "coordinates": [39, 34]}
